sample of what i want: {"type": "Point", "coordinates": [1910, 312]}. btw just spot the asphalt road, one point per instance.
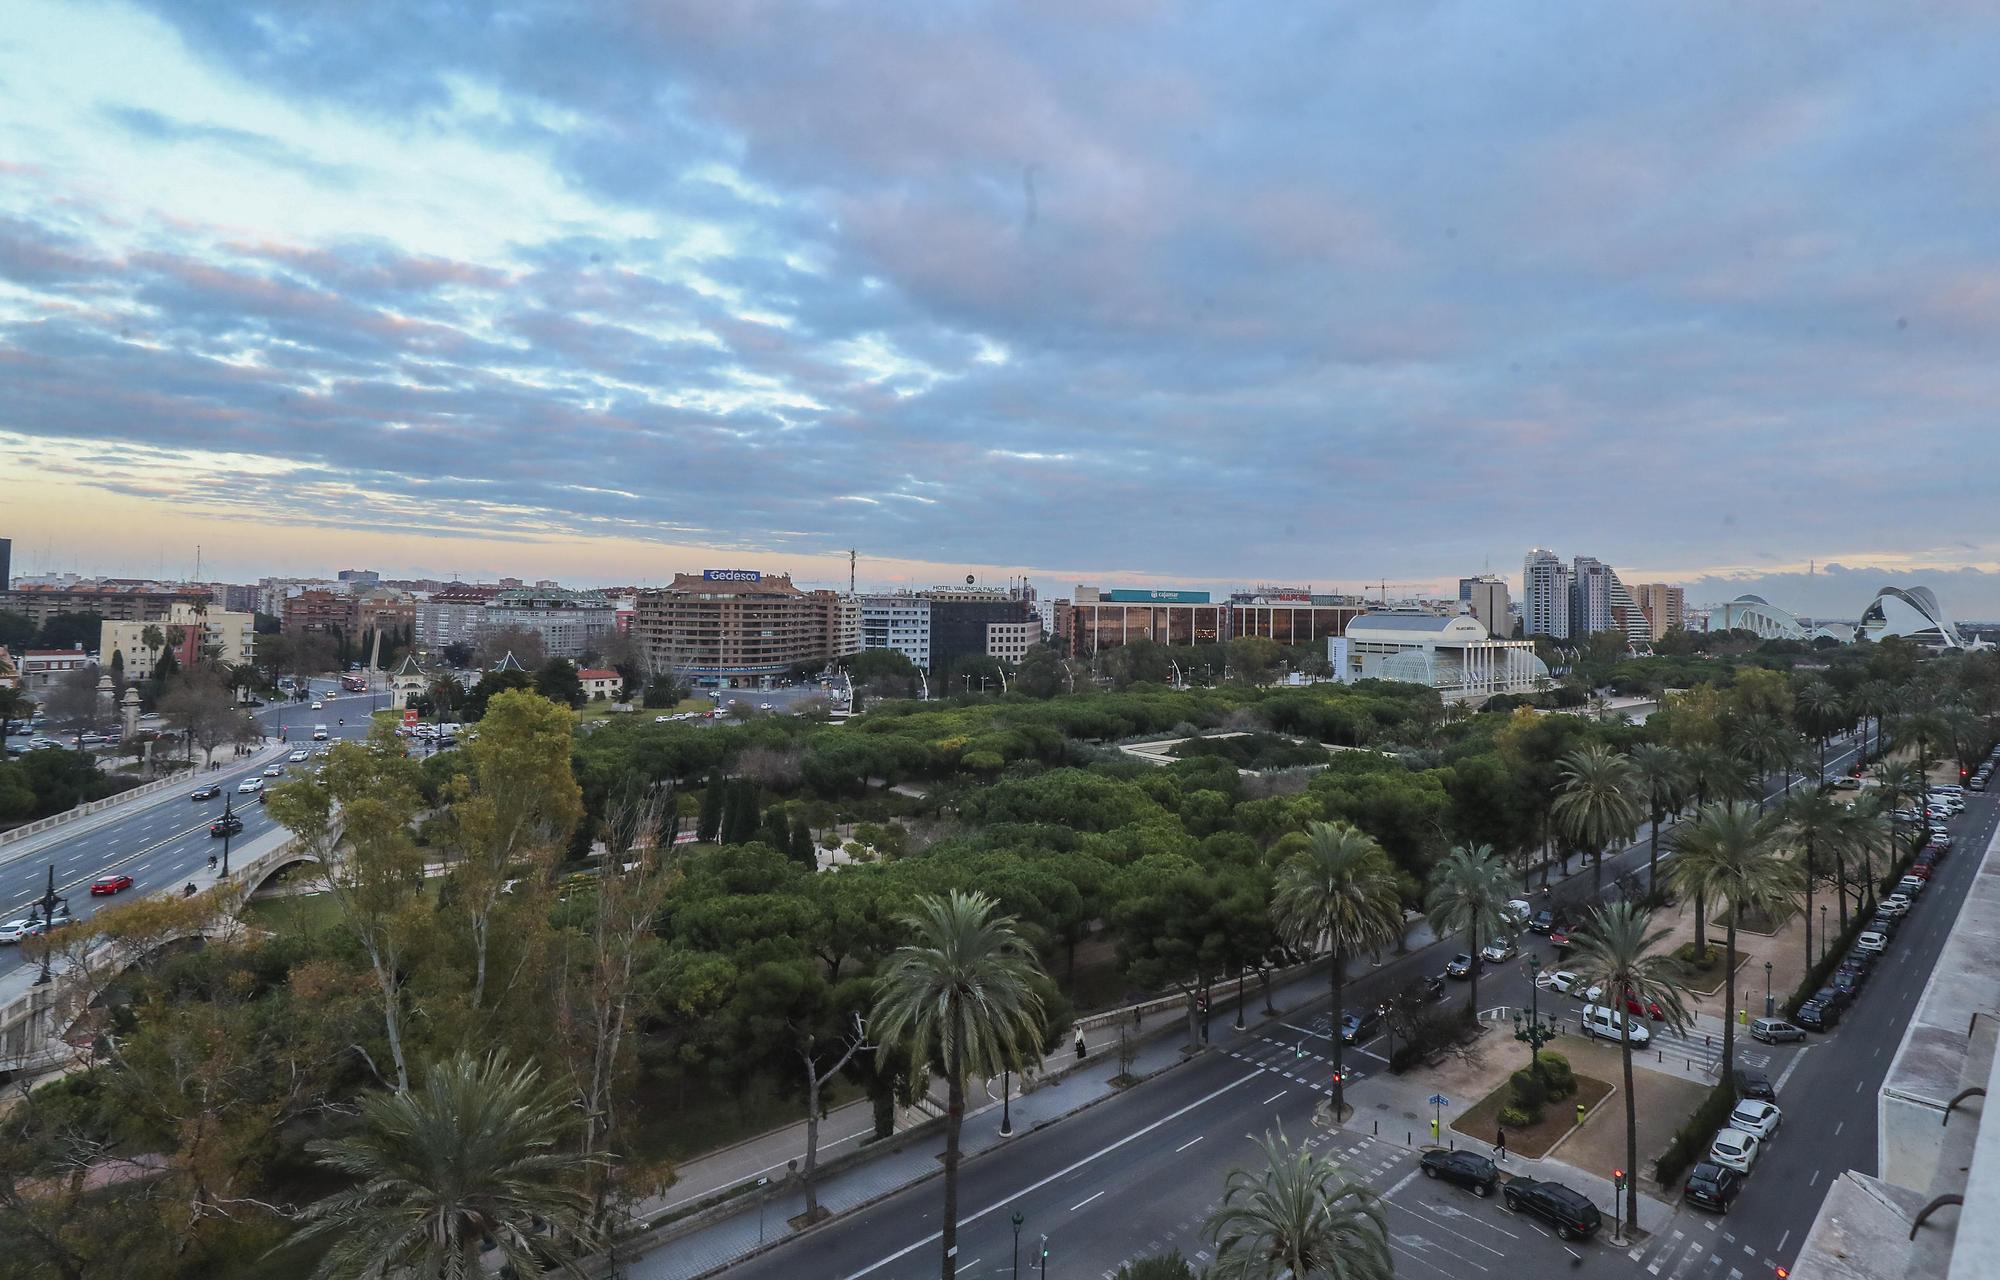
{"type": "Point", "coordinates": [1138, 1173]}
{"type": "Point", "coordinates": [162, 838]}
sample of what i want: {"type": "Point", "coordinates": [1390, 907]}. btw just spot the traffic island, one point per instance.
{"type": "Point", "coordinates": [1537, 1138]}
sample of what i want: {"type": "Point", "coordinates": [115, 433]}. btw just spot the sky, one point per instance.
{"type": "Point", "coordinates": [1101, 291]}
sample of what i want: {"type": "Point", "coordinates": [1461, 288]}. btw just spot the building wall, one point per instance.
{"type": "Point", "coordinates": [1086, 627]}
{"type": "Point", "coordinates": [1545, 595]}
{"type": "Point", "coordinates": [213, 635]}
{"type": "Point", "coordinates": [318, 612]}
{"type": "Point", "coordinates": [570, 623]}
{"type": "Point", "coordinates": [733, 631]}
{"type": "Point", "coordinates": [1665, 608]}
{"type": "Point", "coordinates": [959, 626]}
{"type": "Point", "coordinates": [42, 669]}
{"type": "Point", "coordinates": [898, 622]}
{"type": "Point", "coordinates": [1289, 621]}
{"type": "Point", "coordinates": [1009, 641]}
{"type": "Point", "coordinates": [117, 603]}
{"type": "Point", "coordinates": [1489, 602]}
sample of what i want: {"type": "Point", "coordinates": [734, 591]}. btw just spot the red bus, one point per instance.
{"type": "Point", "coordinates": [354, 683]}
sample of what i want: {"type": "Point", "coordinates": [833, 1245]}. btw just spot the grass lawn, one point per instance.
{"type": "Point", "coordinates": [1558, 1118]}
{"type": "Point", "coordinates": [307, 913]}
{"type": "Point", "coordinates": [1756, 922]}
{"type": "Point", "coordinates": [1704, 975]}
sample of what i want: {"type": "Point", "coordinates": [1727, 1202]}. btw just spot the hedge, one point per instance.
{"type": "Point", "coordinates": [1816, 976]}
{"type": "Point", "coordinates": [1692, 1139]}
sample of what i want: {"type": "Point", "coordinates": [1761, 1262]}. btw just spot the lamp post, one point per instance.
{"type": "Point", "coordinates": [228, 816]}
{"type": "Point", "coordinates": [1822, 931]}
{"type": "Point", "coordinates": [1006, 1101]}
{"type": "Point", "coordinates": [1239, 997]}
{"type": "Point", "coordinates": [1767, 988]}
{"type": "Point", "coordinates": [48, 905]}
{"type": "Point", "coordinates": [1018, 1220]}
{"type": "Point", "coordinates": [1534, 1031]}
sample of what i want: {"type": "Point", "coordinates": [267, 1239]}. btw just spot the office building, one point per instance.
{"type": "Point", "coordinates": [902, 622]}
{"type": "Point", "coordinates": [571, 623]}
{"type": "Point", "coordinates": [1094, 620]}
{"type": "Point", "coordinates": [1589, 596]}
{"type": "Point", "coordinates": [741, 628]}
{"type": "Point", "coordinates": [453, 614]}
{"type": "Point", "coordinates": [1545, 595]}
{"type": "Point", "coordinates": [359, 579]}
{"type": "Point", "coordinates": [6, 564]}
{"type": "Point", "coordinates": [1452, 654]}
{"type": "Point", "coordinates": [192, 635]}
{"type": "Point", "coordinates": [1290, 615]}
{"type": "Point", "coordinates": [1665, 608]}
{"type": "Point", "coordinates": [1486, 599]}
{"type": "Point", "coordinates": [318, 612]}
{"type": "Point", "coordinates": [961, 618]}
{"type": "Point", "coordinates": [1008, 641]}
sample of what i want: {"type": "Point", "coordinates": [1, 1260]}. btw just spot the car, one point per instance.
{"type": "Point", "coordinates": [1571, 984]}
{"type": "Point", "coordinates": [1713, 1186]}
{"type": "Point", "coordinates": [1460, 966]}
{"type": "Point", "coordinates": [1652, 1009]}
{"type": "Point", "coordinates": [1978, 782]}
{"type": "Point", "coordinates": [1560, 936]}
{"type": "Point", "coordinates": [1609, 1024]}
{"type": "Point", "coordinates": [1895, 904]}
{"type": "Point", "coordinates": [1884, 924]}
{"type": "Point", "coordinates": [206, 791]}
{"type": "Point", "coordinates": [1845, 985]}
{"type": "Point", "coordinates": [104, 886]}
{"type": "Point", "coordinates": [227, 825]}
{"type": "Point", "coordinates": [764, 706]}
{"type": "Point", "coordinates": [1358, 1027]}
{"type": "Point", "coordinates": [249, 786]}
{"type": "Point", "coordinates": [300, 756]}
{"type": "Point", "coordinates": [15, 930]}
{"type": "Point", "coordinates": [319, 733]}
{"type": "Point", "coordinates": [1735, 1149]}
{"type": "Point", "coordinates": [274, 771]}
{"type": "Point", "coordinates": [1499, 951]}
{"type": "Point", "coordinates": [1859, 964]}
{"type": "Point", "coordinates": [1754, 1116]}
{"type": "Point", "coordinates": [1544, 921]}
{"type": "Point", "coordinates": [318, 705]}
{"type": "Point", "coordinates": [1465, 1169]}
{"type": "Point", "coordinates": [1518, 912]}
{"type": "Point", "coordinates": [1570, 1213]}
{"type": "Point", "coordinates": [1871, 942]}
{"type": "Point", "coordinates": [1818, 1015]}
{"type": "Point", "coordinates": [1755, 1084]}
{"type": "Point", "coordinates": [321, 753]}
{"type": "Point", "coordinates": [1941, 840]}
{"type": "Point", "coordinates": [1911, 886]}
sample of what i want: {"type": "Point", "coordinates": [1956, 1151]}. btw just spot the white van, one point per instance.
{"type": "Point", "coordinates": [1609, 1024]}
{"type": "Point", "coordinates": [319, 733]}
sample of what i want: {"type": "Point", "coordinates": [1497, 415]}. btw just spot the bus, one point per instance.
{"type": "Point", "coordinates": [354, 683]}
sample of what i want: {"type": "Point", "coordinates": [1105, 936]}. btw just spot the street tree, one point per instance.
{"type": "Point", "coordinates": [1469, 891]}
{"type": "Point", "coordinates": [1731, 853]}
{"type": "Point", "coordinates": [1660, 774]}
{"type": "Point", "coordinates": [1596, 802]}
{"type": "Point", "coordinates": [1296, 1214]}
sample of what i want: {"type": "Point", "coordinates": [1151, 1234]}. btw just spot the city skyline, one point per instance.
{"type": "Point", "coordinates": [591, 301]}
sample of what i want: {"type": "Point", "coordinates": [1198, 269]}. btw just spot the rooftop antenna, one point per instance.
{"type": "Point", "coordinates": [197, 562]}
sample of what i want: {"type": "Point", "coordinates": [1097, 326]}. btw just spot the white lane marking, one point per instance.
{"type": "Point", "coordinates": [1813, 1181]}
{"type": "Point", "coordinates": [1441, 1227]}
{"type": "Point", "coordinates": [1274, 1097]}
{"type": "Point", "coordinates": [1185, 1145]}
{"type": "Point", "coordinates": [1837, 1128]}
{"type": "Point", "coordinates": [1136, 1134]}
{"type": "Point", "coordinates": [1086, 1200]}
{"type": "Point", "coordinates": [1783, 1238]}
{"type": "Point", "coordinates": [1790, 1067]}
{"type": "Point", "coordinates": [1407, 1179]}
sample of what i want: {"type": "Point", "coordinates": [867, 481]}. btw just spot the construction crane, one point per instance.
{"type": "Point", "coordinates": [1385, 585]}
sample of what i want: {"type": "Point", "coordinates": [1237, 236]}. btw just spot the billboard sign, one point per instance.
{"type": "Point", "coordinates": [732, 575]}
{"type": "Point", "coordinates": [1127, 596]}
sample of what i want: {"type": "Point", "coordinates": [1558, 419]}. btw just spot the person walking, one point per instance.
{"type": "Point", "coordinates": [1079, 1044]}
{"type": "Point", "coordinates": [1500, 1144]}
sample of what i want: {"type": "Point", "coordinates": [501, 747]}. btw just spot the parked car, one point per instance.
{"type": "Point", "coordinates": [227, 825]}
{"type": "Point", "coordinates": [1895, 904]}
{"type": "Point", "coordinates": [1884, 924]}
{"type": "Point", "coordinates": [1755, 1084]}
{"type": "Point", "coordinates": [1357, 1027]}
{"type": "Point", "coordinates": [1462, 1168]}
{"type": "Point", "coordinates": [1910, 886]}
{"type": "Point", "coordinates": [1713, 1186]}
{"type": "Point", "coordinates": [1772, 1031]}
{"type": "Point", "coordinates": [206, 791]}
{"type": "Point", "coordinates": [1571, 1214]}
{"type": "Point", "coordinates": [1858, 965]}
{"type": "Point", "coordinates": [1760, 1119]}
{"type": "Point", "coordinates": [1735, 1149]}
{"type": "Point", "coordinates": [1499, 951]}
{"type": "Point", "coordinates": [15, 930]}
{"type": "Point", "coordinates": [1609, 1024]}
{"type": "Point", "coordinates": [1819, 1015]}
{"type": "Point", "coordinates": [1571, 984]}
{"type": "Point", "coordinates": [1874, 942]}
{"type": "Point", "coordinates": [1460, 966]}
{"type": "Point", "coordinates": [104, 886]}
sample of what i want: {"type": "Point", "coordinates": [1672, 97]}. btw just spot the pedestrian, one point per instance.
{"type": "Point", "coordinates": [1079, 1044]}
{"type": "Point", "coordinates": [1500, 1144]}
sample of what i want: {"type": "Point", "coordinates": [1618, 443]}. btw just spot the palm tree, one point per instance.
{"type": "Point", "coordinates": [1816, 822]}
{"type": "Point", "coordinates": [1864, 829]}
{"type": "Point", "coordinates": [1661, 774]}
{"type": "Point", "coordinates": [1766, 744]}
{"type": "Point", "coordinates": [475, 1158]}
{"type": "Point", "coordinates": [1713, 774]}
{"type": "Point", "coordinates": [1597, 803]}
{"type": "Point", "coordinates": [1871, 700]}
{"type": "Point", "coordinates": [155, 640]}
{"type": "Point", "coordinates": [1469, 891]}
{"type": "Point", "coordinates": [1819, 711]}
{"type": "Point", "coordinates": [15, 704]}
{"type": "Point", "coordinates": [1615, 951]}
{"type": "Point", "coordinates": [961, 995]}
{"type": "Point", "coordinates": [1730, 853]}
{"type": "Point", "coordinates": [1296, 1216]}
{"type": "Point", "coordinates": [1338, 892]}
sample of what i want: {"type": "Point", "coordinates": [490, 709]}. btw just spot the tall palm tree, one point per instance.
{"type": "Point", "coordinates": [475, 1158]}
{"type": "Point", "coordinates": [1867, 827]}
{"type": "Point", "coordinates": [1469, 891]}
{"type": "Point", "coordinates": [1872, 699]}
{"type": "Point", "coordinates": [1662, 777]}
{"type": "Point", "coordinates": [155, 640]}
{"type": "Point", "coordinates": [1818, 710]}
{"type": "Point", "coordinates": [1296, 1216]}
{"type": "Point", "coordinates": [1713, 774]}
{"type": "Point", "coordinates": [1338, 892]}
{"type": "Point", "coordinates": [1766, 744]}
{"type": "Point", "coordinates": [961, 995]}
{"type": "Point", "coordinates": [1615, 950]}
{"type": "Point", "coordinates": [1817, 822]}
{"type": "Point", "coordinates": [15, 704]}
{"type": "Point", "coordinates": [1597, 801]}
{"type": "Point", "coordinates": [1730, 853]}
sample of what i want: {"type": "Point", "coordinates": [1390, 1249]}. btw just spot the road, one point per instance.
{"type": "Point", "coordinates": [1137, 1174]}
{"type": "Point", "coordinates": [161, 839]}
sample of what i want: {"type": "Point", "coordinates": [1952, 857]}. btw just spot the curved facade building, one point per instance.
{"type": "Point", "coordinates": [1913, 614]}
{"type": "Point", "coordinates": [1755, 613]}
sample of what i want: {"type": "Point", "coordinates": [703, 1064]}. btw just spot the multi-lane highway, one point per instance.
{"type": "Point", "coordinates": [160, 839]}
{"type": "Point", "coordinates": [1137, 1174]}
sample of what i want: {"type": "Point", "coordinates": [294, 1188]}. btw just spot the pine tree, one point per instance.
{"type": "Point", "coordinates": [708, 825]}
{"type": "Point", "coordinates": [739, 814]}
{"type": "Point", "coordinates": [803, 850]}
{"type": "Point", "coordinates": [776, 832]}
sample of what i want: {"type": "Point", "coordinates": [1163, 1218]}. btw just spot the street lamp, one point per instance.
{"type": "Point", "coordinates": [227, 818]}
{"type": "Point", "coordinates": [1822, 931]}
{"type": "Point", "coordinates": [1767, 988]}
{"type": "Point", "coordinates": [1533, 1031]}
{"type": "Point", "coordinates": [1006, 1101]}
{"type": "Point", "coordinates": [48, 905]}
{"type": "Point", "coordinates": [1239, 997]}
{"type": "Point", "coordinates": [1018, 1220]}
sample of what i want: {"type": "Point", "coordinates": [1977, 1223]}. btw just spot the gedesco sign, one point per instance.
{"type": "Point", "coordinates": [732, 575]}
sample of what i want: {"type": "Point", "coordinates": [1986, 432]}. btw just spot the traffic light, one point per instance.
{"type": "Point", "coordinates": [1618, 1179]}
{"type": "Point", "coordinates": [1338, 1077]}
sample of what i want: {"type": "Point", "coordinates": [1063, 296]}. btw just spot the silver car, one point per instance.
{"type": "Point", "coordinates": [1775, 1031]}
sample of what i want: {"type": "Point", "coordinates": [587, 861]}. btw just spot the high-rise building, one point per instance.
{"type": "Point", "coordinates": [961, 618]}
{"type": "Point", "coordinates": [571, 623]}
{"type": "Point", "coordinates": [192, 634]}
{"type": "Point", "coordinates": [1665, 608]}
{"type": "Point", "coordinates": [738, 627]}
{"type": "Point", "coordinates": [1545, 595]}
{"type": "Point", "coordinates": [1589, 596]}
{"type": "Point", "coordinates": [6, 564]}
{"type": "Point", "coordinates": [902, 622]}
{"type": "Point", "coordinates": [1486, 599]}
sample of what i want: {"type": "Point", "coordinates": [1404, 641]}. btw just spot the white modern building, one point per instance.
{"type": "Point", "coordinates": [1545, 595]}
{"type": "Point", "coordinates": [1758, 615]}
{"type": "Point", "coordinates": [571, 623]}
{"type": "Point", "coordinates": [1453, 655]}
{"type": "Point", "coordinates": [1912, 613]}
{"type": "Point", "coordinates": [902, 622]}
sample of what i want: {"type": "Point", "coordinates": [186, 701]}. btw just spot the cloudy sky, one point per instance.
{"type": "Point", "coordinates": [1100, 291]}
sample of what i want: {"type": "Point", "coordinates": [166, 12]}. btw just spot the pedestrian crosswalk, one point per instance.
{"type": "Point", "coordinates": [1700, 1247]}
{"type": "Point", "coordinates": [1701, 1052]}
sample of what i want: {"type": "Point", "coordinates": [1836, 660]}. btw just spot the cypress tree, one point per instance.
{"type": "Point", "coordinates": [708, 825]}
{"type": "Point", "coordinates": [804, 851]}
{"type": "Point", "coordinates": [776, 833]}
{"type": "Point", "coordinates": [739, 814]}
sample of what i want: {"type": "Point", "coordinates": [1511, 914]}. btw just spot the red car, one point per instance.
{"type": "Point", "coordinates": [109, 884]}
{"type": "Point", "coordinates": [1652, 1009]}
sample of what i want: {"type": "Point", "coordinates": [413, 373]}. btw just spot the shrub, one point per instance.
{"type": "Point", "coordinates": [1691, 1139]}
{"type": "Point", "coordinates": [1529, 1091]}
{"type": "Point", "coordinates": [1557, 1075]}
{"type": "Point", "coordinates": [1515, 1118]}
{"type": "Point", "coordinates": [1167, 1266]}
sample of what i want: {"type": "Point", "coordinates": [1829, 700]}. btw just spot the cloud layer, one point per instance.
{"type": "Point", "coordinates": [1325, 294]}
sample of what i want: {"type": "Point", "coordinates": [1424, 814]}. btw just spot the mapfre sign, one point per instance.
{"type": "Point", "coordinates": [732, 575]}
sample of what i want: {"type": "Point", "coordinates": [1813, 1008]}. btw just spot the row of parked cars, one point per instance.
{"type": "Point", "coordinates": [1567, 1210]}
